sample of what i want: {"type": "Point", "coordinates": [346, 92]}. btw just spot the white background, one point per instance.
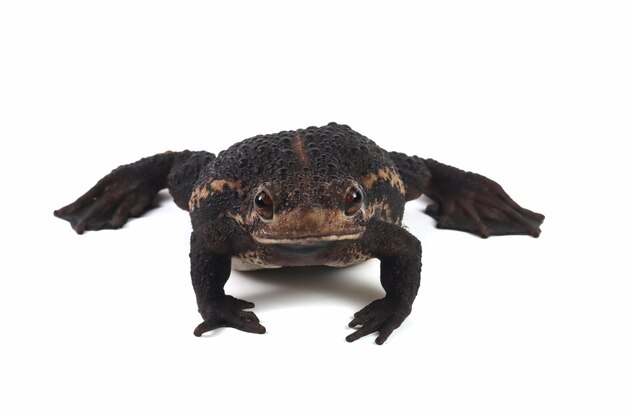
{"type": "Point", "coordinates": [531, 94]}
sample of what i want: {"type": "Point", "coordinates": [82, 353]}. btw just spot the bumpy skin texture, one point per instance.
{"type": "Point", "coordinates": [317, 196]}
{"type": "Point", "coordinates": [184, 174]}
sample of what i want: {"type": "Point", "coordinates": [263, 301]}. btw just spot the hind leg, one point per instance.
{"type": "Point", "coordinates": [473, 203]}
{"type": "Point", "coordinates": [128, 191]}
{"type": "Point", "coordinates": [464, 200]}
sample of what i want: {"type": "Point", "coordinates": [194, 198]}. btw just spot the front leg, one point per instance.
{"type": "Point", "coordinates": [400, 264]}
{"type": "Point", "coordinates": [212, 247]}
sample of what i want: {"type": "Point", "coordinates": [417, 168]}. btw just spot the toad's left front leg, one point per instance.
{"type": "Point", "coordinates": [400, 256]}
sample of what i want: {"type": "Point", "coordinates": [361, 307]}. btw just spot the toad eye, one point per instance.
{"type": "Point", "coordinates": [264, 205]}
{"type": "Point", "coordinates": [353, 201]}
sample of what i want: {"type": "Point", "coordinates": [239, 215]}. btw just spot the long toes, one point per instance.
{"type": "Point", "coordinates": [240, 304]}
{"type": "Point", "coordinates": [535, 232]}
{"type": "Point", "coordinates": [205, 326]}
{"type": "Point", "coordinates": [82, 201]}
{"type": "Point", "coordinates": [448, 208]}
{"type": "Point", "coordinates": [481, 229]}
{"type": "Point", "coordinates": [504, 220]}
{"type": "Point", "coordinates": [359, 321]}
{"type": "Point", "coordinates": [247, 326]}
{"type": "Point", "coordinates": [433, 210]}
{"type": "Point", "coordinates": [98, 215]}
{"type": "Point", "coordinates": [532, 225]}
{"type": "Point", "coordinates": [385, 332]}
{"type": "Point", "coordinates": [368, 328]}
{"type": "Point", "coordinates": [536, 217]}
{"type": "Point", "coordinates": [526, 224]}
{"type": "Point", "coordinates": [533, 217]}
{"type": "Point", "coordinates": [248, 316]}
{"type": "Point", "coordinates": [388, 328]}
{"type": "Point", "coordinates": [121, 214]}
{"type": "Point", "coordinates": [363, 331]}
{"type": "Point", "coordinates": [60, 212]}
{"type": "Point", "coordinates": [241, 320]}
{"type": "Point", "coordinates": [141, 203]}
{"type": "Point", "coordinates": [365, 311]}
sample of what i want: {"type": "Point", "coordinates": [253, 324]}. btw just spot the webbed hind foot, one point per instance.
{"type": "Point", "coordinates": [473, 203]}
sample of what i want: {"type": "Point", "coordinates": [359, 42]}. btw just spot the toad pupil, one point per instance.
{"type": "Point", "coordinates": [353, 201]}
{"type": "Point", "coordinates": [263, 200]}
{"type": "Point", "coordinates": [264, 205]}
{"type": "Point", "coordinates": [310, 226]}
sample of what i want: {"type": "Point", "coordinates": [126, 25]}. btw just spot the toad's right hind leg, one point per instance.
{"type": "Point", "coordinates": [129, 190]}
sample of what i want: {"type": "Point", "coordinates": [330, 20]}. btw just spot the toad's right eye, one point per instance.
{"type": "Point", "coordinates": [264, 205]}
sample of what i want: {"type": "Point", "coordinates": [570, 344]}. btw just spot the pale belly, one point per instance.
{"type": "Point", "coordinates": [278, 256]}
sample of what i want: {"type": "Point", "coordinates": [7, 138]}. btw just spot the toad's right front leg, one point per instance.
{"type": "Point", "coordinates": [212, 246]}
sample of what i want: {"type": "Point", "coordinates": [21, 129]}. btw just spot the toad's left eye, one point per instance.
{"type": "Point", "coordinates": [353, 201]}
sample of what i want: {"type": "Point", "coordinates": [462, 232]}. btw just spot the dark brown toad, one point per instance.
{"type": "Point", "coordinates": [317, 196]}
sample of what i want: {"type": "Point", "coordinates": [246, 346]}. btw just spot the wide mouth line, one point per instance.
{"type": "Point", "coordinates": [304, 240]}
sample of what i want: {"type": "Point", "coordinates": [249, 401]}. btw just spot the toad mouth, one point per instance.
{"type": "Point", "coordinates": [307, 240]}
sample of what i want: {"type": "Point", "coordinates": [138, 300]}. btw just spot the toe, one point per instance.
{"type": "Point", "coordinates": [205, 326]}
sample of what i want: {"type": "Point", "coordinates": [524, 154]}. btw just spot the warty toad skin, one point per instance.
{"type": "Point", "coordinates": [316, 196]}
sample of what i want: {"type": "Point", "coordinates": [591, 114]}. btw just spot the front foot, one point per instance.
{"type": "Point", "coordinates": [228, 311]}
{"type": "Point", "coordinates": [382, 316]}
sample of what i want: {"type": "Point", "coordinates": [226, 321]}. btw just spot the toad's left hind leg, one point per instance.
{"type": "Point", "coordinates": [128, 191]}
{"type": "Point", "coordinates": [464, 200]}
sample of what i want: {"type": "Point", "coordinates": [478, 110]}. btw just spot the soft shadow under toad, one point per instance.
{"type": "Point", "coordinates": [288, 285]}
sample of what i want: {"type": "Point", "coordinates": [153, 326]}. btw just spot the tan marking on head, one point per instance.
{"type": "Point", "coordinates": [297, 142]}
{"type": "Point", "coordinates": [378, 209]}
{"type": "Point", "coordinates": [221, 185]}
{"type": "Point", "coordinates": [385, 174]}
{"type": "Point", "coordinates": [203, 191]}
{"type": "Point", "coordinates": [199, 194]}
